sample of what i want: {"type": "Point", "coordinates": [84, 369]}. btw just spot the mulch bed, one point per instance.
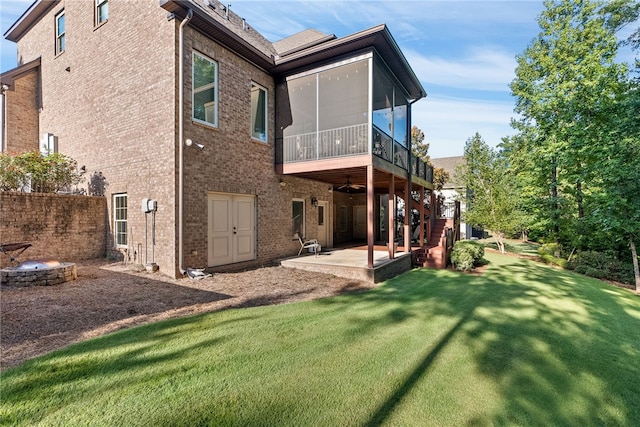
{"type": "Point", "coordinates": [107, 297]}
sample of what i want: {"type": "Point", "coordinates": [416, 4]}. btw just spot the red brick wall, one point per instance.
{"type": "Point", "coordinates": [22, 113]}
{"type": "Point", "coordinates": [112, 100]}
{"type": "Point", "coordinates": [66, 228]}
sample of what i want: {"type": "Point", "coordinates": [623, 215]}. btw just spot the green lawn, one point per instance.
{"type": "Point", "coordinates": [515, 246]}
{"type": "Point", "coordinates": [523, 344]}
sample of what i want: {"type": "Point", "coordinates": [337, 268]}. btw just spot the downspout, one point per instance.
{"type": "Point", "coordinates": [184, 22]}
{"type": "Point", "coordinates": [3, 137]}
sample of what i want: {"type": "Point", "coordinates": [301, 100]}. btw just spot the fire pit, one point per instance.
{"type": "Point", "coordinates": [40, 272]}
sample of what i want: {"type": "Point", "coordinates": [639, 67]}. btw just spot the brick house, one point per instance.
{"type": "Point", "coordinates": [240, 142]}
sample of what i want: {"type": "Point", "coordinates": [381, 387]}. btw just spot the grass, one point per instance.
{"type": "Point", "coordinates": [523, 344]}
{"type": "Point", "coordinates": [515, 246]}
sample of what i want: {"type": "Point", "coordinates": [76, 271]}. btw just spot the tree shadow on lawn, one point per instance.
{"type": "Point", "coordinates": [562, 349]}
{"type": "Point", "coordinates": [105, 365]}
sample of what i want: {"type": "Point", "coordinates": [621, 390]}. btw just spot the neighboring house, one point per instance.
{"type": "Point", "coordinates": [240, 143]}
{"type": "Point", "coordinates": [453, 191]}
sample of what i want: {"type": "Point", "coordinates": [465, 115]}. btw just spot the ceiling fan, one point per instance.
{"type": "Point", "coordinates": [349, 186]}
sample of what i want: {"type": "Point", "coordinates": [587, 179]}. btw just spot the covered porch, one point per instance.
{"type": "Point", "coordinates": [369, 189]}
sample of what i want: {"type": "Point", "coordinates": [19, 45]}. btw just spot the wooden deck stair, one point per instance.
{"type": "Point", "coordinates": [433, 254]}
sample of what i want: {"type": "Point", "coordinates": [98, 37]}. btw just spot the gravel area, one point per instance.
{"type": "Point", "coordinates": [107, 297]}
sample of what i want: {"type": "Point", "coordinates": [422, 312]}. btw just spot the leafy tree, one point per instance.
{"type": "Point", "coordinates": [440, 177]}
{"type": "Point", "coordinates": [419, 147]}
{"type": "Point", "coordinates": [566, 80]}
{"type": "Point", "coordinates": [494, 197]}
{"type": "Point", "coordinates": [42, 174]}
{"type": "Point", "coordinates": [577, 151]}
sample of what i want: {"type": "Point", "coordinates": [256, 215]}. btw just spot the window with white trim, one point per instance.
{"type": "Point", "coordinates": [120, 219]}
{"type": "Point", "coordinates": [205, 89]}
{"type": "Point", "coordinates": [258, 112]}
{"type": "Point", "coordinates": [297, 217]}
{"type": "Point", "coordinates": [60, 33]}
{"type": "Point", "coordinates": [102, 11]}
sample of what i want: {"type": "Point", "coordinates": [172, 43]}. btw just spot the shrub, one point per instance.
{"type": "Point", "coordinates": [602, 265]}
{"type": "Point", "coordinates": [466, 254]}
{"type": "Point", "coordinates": [550, 254]}
{"type": "Point", "coordinates": [10, 174]}
{"type": "Point", "coordinates": [553, 249]}
{"type": "Point", "coordinates": [38, 173]}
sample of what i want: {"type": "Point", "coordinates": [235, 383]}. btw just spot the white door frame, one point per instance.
{"type": "Point", "coordinates": [231, 228]}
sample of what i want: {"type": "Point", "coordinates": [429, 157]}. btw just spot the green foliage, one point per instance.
{"type": "Point", "coordinates": [10, 174]}
{"type": "Point", "coordinates": [551, 253]}
{"type": "Point", "coordinates": [43, 174]}
{"type": "Point", "coordinates": [495, 200]}
{"type": "Point", "coordinates": [419, 147]}
{"type": "Point", "coordinates": [554, 249]}
{"type": "Point", "coordinates": [602, 265]}
{"type": "Point", "coordinates": [440, 177]}
{"type": "Point", "coordinates": [466, 254]}
{"type": "Point", "coordinates": [577, 154]}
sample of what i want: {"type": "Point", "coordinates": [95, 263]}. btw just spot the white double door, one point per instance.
{"type": "Point", "coordinates": [231, 228]}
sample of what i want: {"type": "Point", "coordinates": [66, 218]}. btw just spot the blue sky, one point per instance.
{"type": "Point", "coordinates": [462, 51]}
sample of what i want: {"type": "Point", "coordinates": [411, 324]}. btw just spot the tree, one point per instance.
{"type": "Point", "coordinates": [494, 198]}
{"type": "Point", "coordinates": [419, 147]}
{"type": "Point", "coordinates": [577, 151]}
{"type": "Point", "coordinates": [566, 80]}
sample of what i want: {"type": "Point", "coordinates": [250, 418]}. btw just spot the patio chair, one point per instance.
{"type": "Point", "coordinates": [305, 244]}
{"type": "Point", "coordinates": [9, 248]}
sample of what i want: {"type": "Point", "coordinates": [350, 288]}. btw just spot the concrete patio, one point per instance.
{"type": "Point", "coordinates": [351, 263]}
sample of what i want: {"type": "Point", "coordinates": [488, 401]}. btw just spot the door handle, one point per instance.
{"type": "Point", "coordinates": [234, 230]}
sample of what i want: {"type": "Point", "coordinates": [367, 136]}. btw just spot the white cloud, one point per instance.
{"type": "Point", "coordinates": [449, 122]}
{"type": "Point", "coordinates": [481, 68]}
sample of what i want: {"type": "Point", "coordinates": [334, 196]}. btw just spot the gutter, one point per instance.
{"type": "Point", "coordinates": [184, 22]}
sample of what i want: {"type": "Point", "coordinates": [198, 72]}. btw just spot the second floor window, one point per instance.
{"type": "Point", "coordinates": [205, 89]}
{"type": "Point", "coordinates": [102, 11]}
{"type": "Point", "coordinates": [258, 112]}
{"type": "Point", "coordinates": [60, 33]}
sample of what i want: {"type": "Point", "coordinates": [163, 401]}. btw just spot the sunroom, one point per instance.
{"type": "Point", "coordinates": [346, 120]}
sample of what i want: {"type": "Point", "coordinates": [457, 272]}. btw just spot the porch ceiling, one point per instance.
{"type": "Point", "coordinates": [356, 176]}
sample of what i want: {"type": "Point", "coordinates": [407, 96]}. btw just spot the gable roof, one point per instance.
{"type": "Point", "coordinates": [299, 51]}
{"type": "Point", "coordinates": [30, 16]}
{"type": "Point", "coordinates": [8, 77]}
{"type": "Point", "coordinates": [302, 40]}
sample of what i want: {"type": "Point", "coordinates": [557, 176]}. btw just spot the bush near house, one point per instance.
{"type": "Point", "coordinates": [466, 254]}
{"type": "Point", "coordinates": [33, 172]}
